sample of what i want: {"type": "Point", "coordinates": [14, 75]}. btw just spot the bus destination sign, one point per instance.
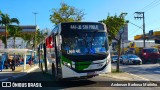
{"type": "Point", "coordinates": [87, 26]}
{"type": "Point", "coordinates": [79, 27]}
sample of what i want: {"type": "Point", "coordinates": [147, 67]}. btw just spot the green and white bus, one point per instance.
{"type": "Point", "coordinates": [76, 49]}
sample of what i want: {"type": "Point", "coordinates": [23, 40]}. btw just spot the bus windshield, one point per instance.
{"type": "Point", "coordinates": [80, 43]}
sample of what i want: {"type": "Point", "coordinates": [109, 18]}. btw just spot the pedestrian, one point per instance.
{"type": "Point", "coordinates": [32, 60]}
{"type": "Point", "coordinates": [13, 64]}
{"type": "Point", "coordinates": [17, 61]}
{"type": "Point", "coordinates": [1, 65]}
{"type": "Point", "coordinates": [6, 64]}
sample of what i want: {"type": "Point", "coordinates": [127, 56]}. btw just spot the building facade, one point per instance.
{"type": "Point", "coordinates": [19, 42]}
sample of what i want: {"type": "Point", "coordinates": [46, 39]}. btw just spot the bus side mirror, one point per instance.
{"type": "Point", "coordinates": [60, 39]}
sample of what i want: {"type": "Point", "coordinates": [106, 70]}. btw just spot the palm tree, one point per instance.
{"type": "Point", "coordinates": [14, 31]}
{"type": "Point", "coordinates": [27, 37]}
{"type": "Point", "coordinates": [6, 21]}
{"type": "Point", "coordinates": [40, 35]}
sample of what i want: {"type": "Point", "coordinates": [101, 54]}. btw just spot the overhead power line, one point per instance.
{"type": "Point", "coordinates": [148, 6]}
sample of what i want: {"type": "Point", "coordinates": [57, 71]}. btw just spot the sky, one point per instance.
{"type": "Point", "coordinates": [95, 10]}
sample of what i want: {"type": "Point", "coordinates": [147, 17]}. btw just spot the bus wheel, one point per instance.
{"type": "Point", "coordinates": [54, 74]}
{"type": "Point", "coordinates": [41, 67]}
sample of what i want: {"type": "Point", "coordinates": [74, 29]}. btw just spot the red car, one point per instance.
{"type": "Point", "coordinates": [150, 55]}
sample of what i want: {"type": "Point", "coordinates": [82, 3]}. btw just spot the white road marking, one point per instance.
{"type": "Point", "coordinates": [157, 71]}
{"type": "Point", "coordinates": [140, 77]}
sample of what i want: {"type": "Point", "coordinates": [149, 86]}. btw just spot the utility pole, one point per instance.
{"type": "Point", "coordinates": [34, 40]}
{"type": "Point", "coordinates": [1, 20]}
{"type": "Point", "coordinates": [140, 15]}
{"type": "Point", "coordinates": [122, 15]}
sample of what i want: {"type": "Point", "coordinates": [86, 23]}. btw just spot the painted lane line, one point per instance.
{"type": "Point", "coordinates": [157, 71]}
{"type": "Point", "coordinates": [140, 77]}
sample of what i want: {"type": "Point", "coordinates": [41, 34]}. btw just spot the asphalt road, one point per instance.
{"type": "Point", "coordinates": [96, 83]}
{"type": "Point", "coordinates": [148, 71]}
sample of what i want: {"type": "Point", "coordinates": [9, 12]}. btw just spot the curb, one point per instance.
{"type": "Point", "coordinates": [5, 79]}
{"type": "Point", "coordinates": [20, 75]}
{"type": "Point", "coordinates": [32, 69]}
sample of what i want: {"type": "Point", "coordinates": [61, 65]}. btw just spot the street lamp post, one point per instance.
{"type": "Point", "coordinates": [34, 40]}
{"type": "Point", "coordinates": [122, 37]}
{"type": "Point", "coordinates": [1, 20]}
{"type": "Point", "coordinates": [119, 42]}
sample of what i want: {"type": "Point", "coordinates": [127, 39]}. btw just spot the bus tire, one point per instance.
{"type": "Point", "coordinates": [54, 74]}
{"type": "Point", "coordinates": [41, 67]}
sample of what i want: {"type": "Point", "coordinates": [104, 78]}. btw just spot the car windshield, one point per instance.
{"type": "Point", "coordinates": [114, 56]}
{"type": "Point", "coordinates": [84, 42]}
{"type": "Point", "coordinates": [132, 56]}
{"type": "Point", "coordinates": [123, 56]}
{"type": "Point", "coordinates": [152, 50]}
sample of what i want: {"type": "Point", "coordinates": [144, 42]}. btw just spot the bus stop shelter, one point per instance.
{"type": "Point", "coordinates": [17, 51]}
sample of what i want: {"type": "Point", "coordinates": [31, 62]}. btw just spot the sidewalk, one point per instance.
{"type": "Point", "coordinates": [123, 76]}
{"type": "Point", "coordinates": [8, 74]}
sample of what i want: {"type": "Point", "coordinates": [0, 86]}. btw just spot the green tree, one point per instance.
{"type": "Point", "coordinates": [66, 14]}
{"type": "Point", "coordinates": [114, 25]}
{"type": "Point", "coordinates": [6, 21]}
{"type": "Point", "coordinates": [40, 36]}
{"type": "Point", "coordinates": [27, 37]}
{"type": "Point", "coordinates": [0, 12]}
{"type": "Point", "coordinates": [14, 31]}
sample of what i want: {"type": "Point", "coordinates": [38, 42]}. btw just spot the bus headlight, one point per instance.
{"type": "Point", "coordinates": [68, 64]}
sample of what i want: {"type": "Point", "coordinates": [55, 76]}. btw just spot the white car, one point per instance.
{"type": "Point", "coordinates": [132, 59]}
{"type": "Point", "coordinates": [115, 58]}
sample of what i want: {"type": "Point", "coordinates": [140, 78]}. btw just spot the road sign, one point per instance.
{"type": "Point", "coordinates": [132, 49]}
{"type": "Point", "coordinates": [132, 45]}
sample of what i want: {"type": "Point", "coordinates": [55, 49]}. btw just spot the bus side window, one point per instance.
{"type": "Point", "coordinates": [52, 55]}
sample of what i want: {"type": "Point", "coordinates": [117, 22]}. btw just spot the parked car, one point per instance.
{"type": "Point", "coordinates": [132, 59]}
{"type": "Point", "coordinates": [150, 55]}
{"type": "Point", "coordinates": [115, 58]}
{"type": "Point", "coordinates": [122, 58]}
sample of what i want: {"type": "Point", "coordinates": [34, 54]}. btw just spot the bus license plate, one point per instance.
{"type": "Point", "coordinates": [90, 73]}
